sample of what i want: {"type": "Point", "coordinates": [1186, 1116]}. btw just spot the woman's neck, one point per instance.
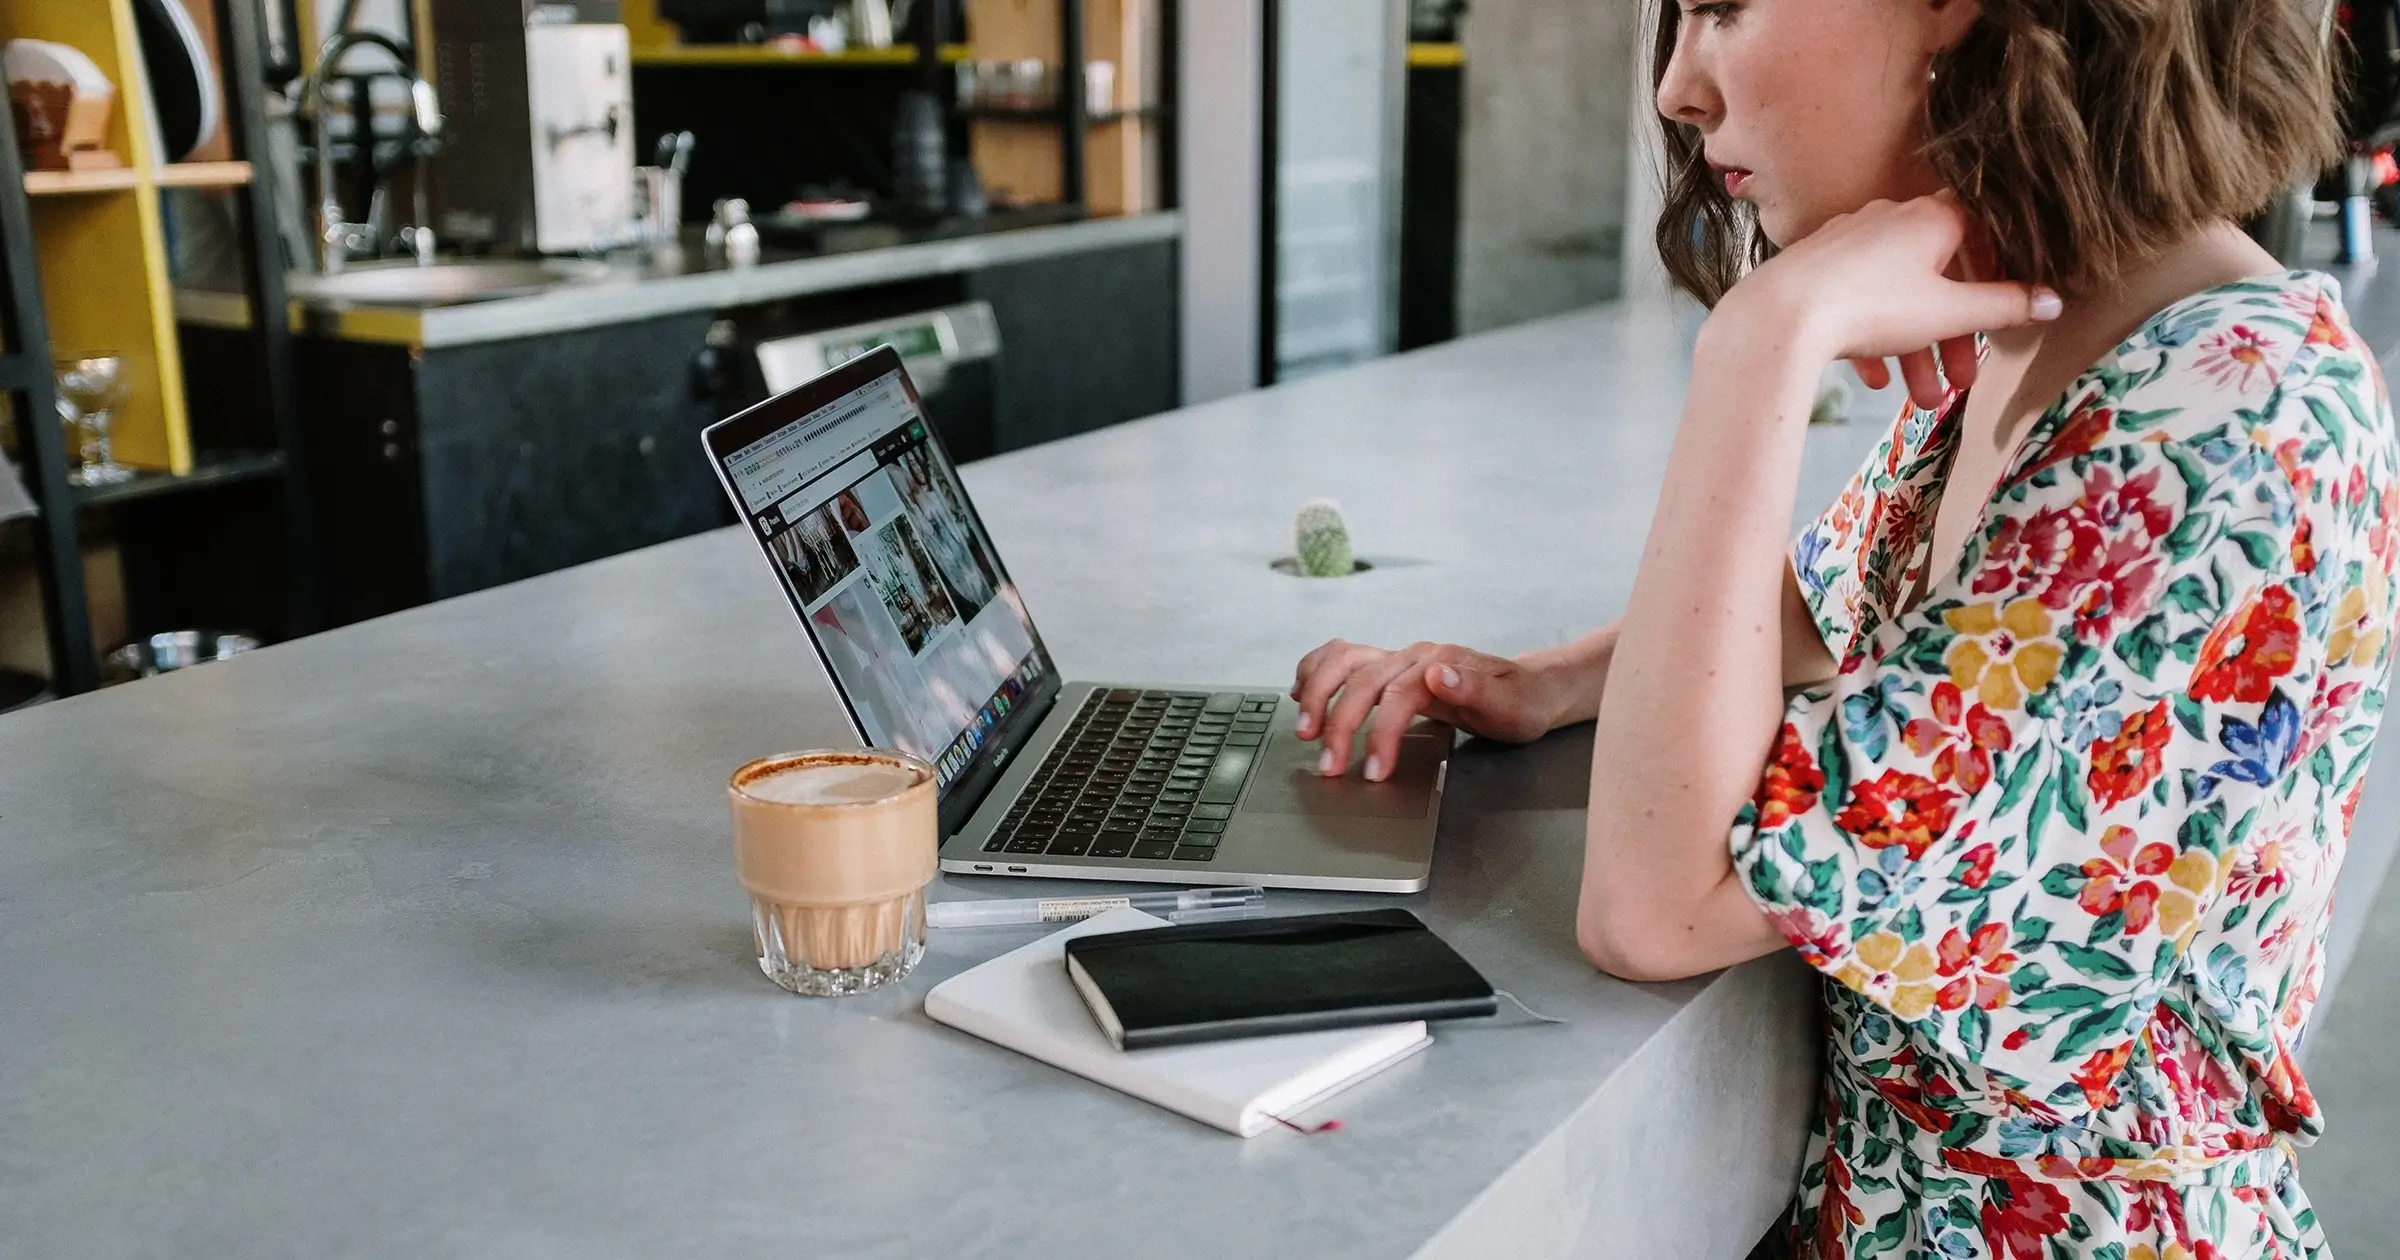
{"type": "Point", "coordinates": [2094, 323]}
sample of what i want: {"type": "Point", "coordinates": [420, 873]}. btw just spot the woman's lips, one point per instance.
{"type": "Point", "coordinates": [1736, 179]}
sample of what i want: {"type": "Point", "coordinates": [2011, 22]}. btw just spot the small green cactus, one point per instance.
{"type": "Point", "coordinates": [1323, 541]}
{"type": "Point", "coordinates": [1832, 405]}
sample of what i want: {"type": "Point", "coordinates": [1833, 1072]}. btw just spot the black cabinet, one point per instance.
{"type": "Point", "coordinates": [1086, 341]}
{"type": "Point", "coordinates": [448, 470]}
{"type": "Point", "coordinates": [545, 453]}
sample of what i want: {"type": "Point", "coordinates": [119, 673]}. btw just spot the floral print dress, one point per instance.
{"type": "Point", "coordinates": [2063, 836]}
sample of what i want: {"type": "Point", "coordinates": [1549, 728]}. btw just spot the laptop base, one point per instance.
{"type": "Point", "coordinates": [1285, 825]}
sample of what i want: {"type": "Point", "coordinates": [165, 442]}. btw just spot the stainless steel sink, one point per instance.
{"type": "Point", "coordinates": [404, 283]}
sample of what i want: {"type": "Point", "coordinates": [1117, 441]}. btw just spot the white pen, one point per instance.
{"type": "Point", "coordinates": [1208, 902]}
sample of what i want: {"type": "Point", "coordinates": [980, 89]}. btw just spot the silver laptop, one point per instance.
{"type": "Point", "coordinates": [849, 495]}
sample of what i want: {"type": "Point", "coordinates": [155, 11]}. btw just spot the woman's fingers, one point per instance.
{"type": "Point", "coordinates": [1346, 688]}
{"type": "Point", "coordinates": [1956, 356]}
{"type": "Point", "coordinates": [1924, 384]}
{"type": "Point", "coordinates": [1488, 696]}
{"type": "Point", "coordinates": [1463, 688]}
{"type": "Point", "coordinates": [1307, 665]}
{"type": "Point", "coordinates": [1955, 310]}
{"type": "Point", "coordinates": [2016, 305]}
{"type": "Point", "coordinates": [1959, 363]}
{"type": "Point", "coordinates": [1321, 675]}
{"type": "Point", "coordinates": [1359, 694]}
{"type": "Point", "coordinates": [1396, 709]}
{"type": "Point", "coordinates": [1899, 279]}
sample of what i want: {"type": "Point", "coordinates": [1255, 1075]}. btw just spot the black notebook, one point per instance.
{"type": "Point", "coordinates": [1261, 977]}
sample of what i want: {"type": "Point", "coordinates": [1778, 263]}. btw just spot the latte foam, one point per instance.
{"type": "Point", "coordinates": [832, 783]}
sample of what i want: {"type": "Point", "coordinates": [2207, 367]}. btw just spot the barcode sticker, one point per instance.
{"type": "Point", "coordinates": [1072, 908]}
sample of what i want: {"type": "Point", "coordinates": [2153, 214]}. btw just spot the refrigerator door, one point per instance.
{"type": "Point", "coordinates": [1340, 82]}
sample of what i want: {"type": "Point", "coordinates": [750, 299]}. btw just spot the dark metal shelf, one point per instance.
{"type": "Point", "coordinates": [209, 471]}
{"type": "Point", "coordinates": [1051, 114]}
{"type": "Point", "coordinates": [21, 371]}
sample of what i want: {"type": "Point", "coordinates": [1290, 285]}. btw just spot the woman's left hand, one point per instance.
{"type": "Point", "coordinates": [1883, 282]}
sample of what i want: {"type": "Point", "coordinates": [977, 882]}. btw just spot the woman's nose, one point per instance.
{"type": "Point", "coordinates": [1684, 93]}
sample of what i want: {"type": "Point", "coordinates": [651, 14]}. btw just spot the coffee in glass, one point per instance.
{"type": "Point", "coordinates": [835, 850]}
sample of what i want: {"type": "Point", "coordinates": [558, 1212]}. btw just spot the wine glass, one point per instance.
{"type": "Point", "coordinates": [97, 387]}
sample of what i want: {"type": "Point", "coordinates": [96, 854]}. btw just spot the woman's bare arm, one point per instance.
{"type": "Point", "coordinates": [1696, 685]}
{"type": "Point", "coordinates": [1695, 688]}
{"type": "Point", "coordinates": [1578, 671]}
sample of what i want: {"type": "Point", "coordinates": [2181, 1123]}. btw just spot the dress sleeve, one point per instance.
{"type": "Point", "coordinates": [2003, 821]}
{"type": "Point", "coordinates": [1836, 559]}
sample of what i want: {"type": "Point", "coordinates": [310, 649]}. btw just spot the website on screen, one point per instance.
{"type": "Point", "coordinates": [870, 531]}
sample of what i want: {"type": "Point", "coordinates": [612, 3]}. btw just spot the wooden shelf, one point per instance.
{"type": "Point", "coordinates": [211, 469]}
{"type": "Point", "coordinates": [204, 175]}
{"type": "Point", "coordinates": [122, 178]}
{"type": "Point", "coordinates": [771, 55]}
{"type": "Point", "coordinates": [73, 183]}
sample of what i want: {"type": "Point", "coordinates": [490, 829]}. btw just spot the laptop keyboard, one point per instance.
{"type": "Point", "coordinates": [1140, 774]}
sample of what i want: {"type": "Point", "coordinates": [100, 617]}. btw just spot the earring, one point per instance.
{"type": "Point", "coordinates": [1932, 73]}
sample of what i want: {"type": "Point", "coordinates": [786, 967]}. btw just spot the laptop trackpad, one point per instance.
{"type": "Point", "coordinates": [1289, 783]}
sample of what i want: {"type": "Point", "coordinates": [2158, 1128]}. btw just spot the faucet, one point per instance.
{"type": "Point", "coordinates": [335, 236]}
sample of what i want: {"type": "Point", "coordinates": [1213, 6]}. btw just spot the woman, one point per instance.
{"type": "Point", "coordinates": [2088, 657]}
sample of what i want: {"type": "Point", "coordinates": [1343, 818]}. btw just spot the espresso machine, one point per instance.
{"type": "Point", "coordinates": [539, 96]}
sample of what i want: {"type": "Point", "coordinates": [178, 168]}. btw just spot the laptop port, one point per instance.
{"type": "Point", "coordinates": [983, 866]}
{"type": "Point", "coordinates": [1016, 870]}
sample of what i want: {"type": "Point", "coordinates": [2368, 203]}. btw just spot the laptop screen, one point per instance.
{"type": "Point", "coordinates": [889, 566]}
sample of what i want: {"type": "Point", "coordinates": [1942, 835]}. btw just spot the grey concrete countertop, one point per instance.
{"type": "Point", "coordinates": [421, 937]}
{"type": "Point", "coordinates": [645, 288]}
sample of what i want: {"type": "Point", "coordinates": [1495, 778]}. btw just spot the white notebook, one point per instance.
{"type": "Point", "coordinates": [1024, 1000]}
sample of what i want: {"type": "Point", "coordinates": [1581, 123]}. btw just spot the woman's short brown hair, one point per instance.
{"type": "Point", "coordinates": [2081, 134]}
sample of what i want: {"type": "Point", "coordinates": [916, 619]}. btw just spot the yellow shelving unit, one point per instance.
{"type": "Point", "coordinates": [83, 270]}
{"type": "Point", "coordinates": [99, 239]}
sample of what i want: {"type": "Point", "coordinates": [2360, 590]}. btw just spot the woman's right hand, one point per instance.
{"type": "Point", "coordinates": [1343, 686]}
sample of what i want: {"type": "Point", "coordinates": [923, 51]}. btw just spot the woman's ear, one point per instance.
{"type": "Point", "coordinates": [1947, 22]}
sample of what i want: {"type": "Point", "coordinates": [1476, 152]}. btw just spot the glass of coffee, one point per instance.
{"type": "Point", "coordinates": [835, 850]}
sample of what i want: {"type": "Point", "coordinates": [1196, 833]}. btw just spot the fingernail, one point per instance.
{"type": "Point", "coordinates": [1374, 769]}
{"type": "Point", "coordinates": [1307, 720]}
{"type": "Point", "coordinates": [1325, 762]}
{"type": "Point", "coordinates": [2046, 304]}
{"type": "Point", "coordinates": [1449, 676]}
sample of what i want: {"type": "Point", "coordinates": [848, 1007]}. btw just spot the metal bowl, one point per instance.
{"type": "Point", "coordinates": [176, 649]}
